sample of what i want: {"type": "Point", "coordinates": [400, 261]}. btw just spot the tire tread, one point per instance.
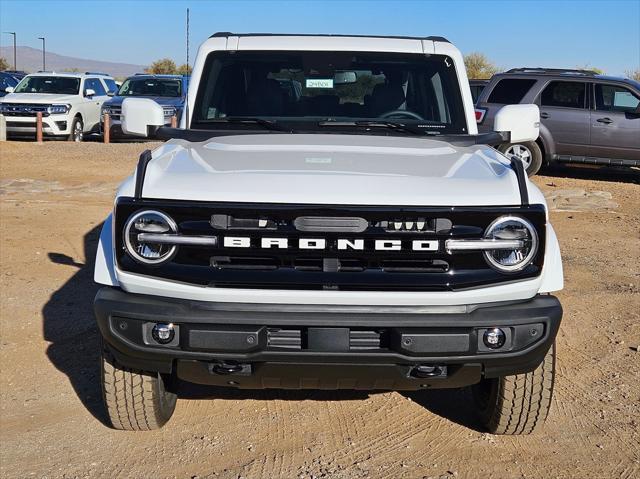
{"type": "Point", "coordinates": [132, 397]}
{"type": "Point", "coordinates": [522, 401]}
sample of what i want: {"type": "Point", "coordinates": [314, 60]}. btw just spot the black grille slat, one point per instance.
{"type": "Point", "coordinates": [415, 266]}
{"type": "Point", "coordinates": [244, 262]}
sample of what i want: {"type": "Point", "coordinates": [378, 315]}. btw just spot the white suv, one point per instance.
{"type": "Point", "coordinates": [328, 217]}
{"type": "Point", "coordinates": [70, 104]}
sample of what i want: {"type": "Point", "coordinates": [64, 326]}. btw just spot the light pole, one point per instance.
{"type": "Point", "coordinates": [14, 49]}
{"type": "Point", "coordinates": [44, 63]}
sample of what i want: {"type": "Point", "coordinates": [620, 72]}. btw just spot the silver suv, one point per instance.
{"type": "Point", "coordinates": [585, 117]}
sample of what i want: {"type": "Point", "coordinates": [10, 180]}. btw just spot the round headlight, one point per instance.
{"type": "Point", "coordinates": [151, 222]}
{"type": "Point", "coordinates": [511, 228]}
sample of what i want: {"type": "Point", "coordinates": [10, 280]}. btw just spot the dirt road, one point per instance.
{"type": "Point", "coordinates": [53, 198]}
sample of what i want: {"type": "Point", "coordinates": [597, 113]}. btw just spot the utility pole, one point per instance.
{"type": "Point", "coordinates": [44, 62]}
{"type": "Point", "coordinates": [187, 37]}
{"type": "Point", "coordinates": [186, 102]}
{"type": "Point", "coordinates": [15, 68]}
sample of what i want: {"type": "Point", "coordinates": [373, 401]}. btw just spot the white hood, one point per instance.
{"type": "Point", "coordinates": [46, 98]}
{"type": "Point", "coordinates": [331, 169]}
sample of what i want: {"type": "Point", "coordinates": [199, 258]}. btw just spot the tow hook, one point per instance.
{"type": "Point", "coordinates": [225, 368]}
{"type": "Point", "coordinates": [425, 371]}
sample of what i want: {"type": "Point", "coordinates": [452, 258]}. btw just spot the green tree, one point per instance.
{"type": "Point", "coordinates": [598, 71]}
{"type": "Point", "coordinates": [4, 64]}
{"type": "Point", "coordinates": [633, 74]}
{"type": "Point", "coordinates": [479, 66]}
{"type": "Point", "coordinates": [184, 69]}
{"type": "Point", "coordinates": [72, 70]}
{"type": "Point", "coordinates": [164, 66]}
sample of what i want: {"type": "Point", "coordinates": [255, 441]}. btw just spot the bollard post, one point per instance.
{"type": "Point", "coordinates": [106, 129]}
{"type": "Point", "coordinates": [39, 127]}
{"type": "Point", "coordinates": [174, 121]}
{"type": "Point", "coordinates": [3, 128]}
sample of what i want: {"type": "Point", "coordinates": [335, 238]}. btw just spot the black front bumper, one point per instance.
{"type": "Point", "coordinates": [326, 347]}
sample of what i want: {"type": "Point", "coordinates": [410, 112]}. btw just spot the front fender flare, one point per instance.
{"type": "Point", "coordinates": [104, 272]}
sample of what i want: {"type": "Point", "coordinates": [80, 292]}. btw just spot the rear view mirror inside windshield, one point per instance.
{"type": "Point", "coordinates": [341, 78]}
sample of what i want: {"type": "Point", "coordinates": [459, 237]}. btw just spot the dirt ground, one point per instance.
{"type": "Point", "coordinates": [53, 198]}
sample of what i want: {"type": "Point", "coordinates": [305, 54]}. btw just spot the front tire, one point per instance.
{"type": "Point", "coordinates": [519, 404]}
{"type": "Point", "coordinates": [77, 130]}
{"type": "Point", "coordinates": [135, 400]}
{"type": "Point", "coordinates": [528, 152]}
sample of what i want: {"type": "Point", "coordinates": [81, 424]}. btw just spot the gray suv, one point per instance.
{"type": "Point", "coordinates": [585, 117]}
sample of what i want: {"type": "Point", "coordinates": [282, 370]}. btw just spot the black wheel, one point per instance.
{"type": "Point", "coordinates": [517, 404]}
{"type": "Point", "coordinates": [528, 152]}
{"type": "Point", "coordinates": [77, 130]}
{"type": "Point", "coordinates": [135, 400]}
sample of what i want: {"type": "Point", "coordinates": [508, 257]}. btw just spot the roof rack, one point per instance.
{"type": "Point", "coordinates": [230, 34]}
{"type": "Point", "coordinates": [97, 73]}
{"type": "Point", "coordinates": [554, 71]}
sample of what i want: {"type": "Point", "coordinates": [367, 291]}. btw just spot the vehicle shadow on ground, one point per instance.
{"type": "Point", "coordinates": [455, 405]}
{"type": "Point", "coordinates": [70, 327]}
{"type": "Point", "coordinates": [615, 175]}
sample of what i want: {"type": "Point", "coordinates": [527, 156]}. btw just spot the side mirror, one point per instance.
{"type": "Point", "coordinates": [9, 89]}
{"type": "Point", "coordinates": [141, 116]}
{"type": "Point", "coordinates": [89, 92]}
{"type": "Point", "coordinates": [111, 93]}
{"type": "Point", "coordinates": [518, 123]}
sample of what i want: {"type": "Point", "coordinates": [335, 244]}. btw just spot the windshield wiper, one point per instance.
{"type": "Point", "coordinates": [266, 124]}
{"type": "Point", "coordinates": [393, 125]}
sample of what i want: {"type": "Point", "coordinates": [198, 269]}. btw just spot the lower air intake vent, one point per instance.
{"type": "Point", "coordinates": [284, 338]}
{"type": "Point", "coordinates": [364, 339]}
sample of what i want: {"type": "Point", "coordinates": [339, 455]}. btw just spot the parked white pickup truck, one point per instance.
{"type": "Point", "coordinates": [328, 217]}
{"type": "Point", "coordinates": [70, 104]}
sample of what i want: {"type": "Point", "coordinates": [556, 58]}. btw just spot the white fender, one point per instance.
{"type": "Point", "coordinates": [552, 273]}
{"type": "Point", "coordinates": [104, 272]}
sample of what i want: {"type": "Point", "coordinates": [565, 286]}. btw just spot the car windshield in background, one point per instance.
{"type": "Point", "coordinates": [56, 85]}
{"type": "Point", "coordinates": [7, 81]}
{"type": "Point", "coordinates": [151, 87]}
{"type": "Point", "coordinates": [316, 88]}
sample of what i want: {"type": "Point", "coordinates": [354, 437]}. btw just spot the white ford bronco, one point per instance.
{"type": "Point", "coordinates": [328, 217]}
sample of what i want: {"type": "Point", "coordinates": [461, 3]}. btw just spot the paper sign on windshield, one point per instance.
{"type": "Point", "coordinates": [319, 83]}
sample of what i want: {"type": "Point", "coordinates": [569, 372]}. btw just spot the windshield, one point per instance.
{"type": "Point", "coordinates": [42, 84]}
{"type": "Point", "coordinates": [6, 81]}
{"type": "Point", "coordinates": [312, 87]}
{"type": "Point", "coordinates": [151, 87]}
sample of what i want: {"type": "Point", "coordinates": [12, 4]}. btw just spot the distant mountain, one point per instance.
{"type": "Point", "coordinates": [30, 60]}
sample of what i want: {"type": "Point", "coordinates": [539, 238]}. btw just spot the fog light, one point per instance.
{"type": "Point", "coordinates": [163, 333]}
{"type": "Point", "coordinates": [494, 338]}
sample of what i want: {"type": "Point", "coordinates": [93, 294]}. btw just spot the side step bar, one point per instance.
{"type": "Point", "coordinates": [589, 160]}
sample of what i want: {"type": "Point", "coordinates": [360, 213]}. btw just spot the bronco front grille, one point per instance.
{"type": "Point", "coordinates": [253, 266]}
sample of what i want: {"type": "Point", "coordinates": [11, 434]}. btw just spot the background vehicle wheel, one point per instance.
{"type": "Point", "coordinates": [517, 404]}
{"type": "Point", "coordinates": [529, 153]}
{"type": "Point", "coordinates": [77, 130]}
{"type": "Point", "coordinates": [135, 400]}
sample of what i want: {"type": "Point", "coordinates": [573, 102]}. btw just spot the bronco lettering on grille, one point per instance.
{"type": "Point", "coordinates": [321, 244]}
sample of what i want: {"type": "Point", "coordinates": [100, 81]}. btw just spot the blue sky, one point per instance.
{"type": "Point", "coordinates": [598, 33]}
